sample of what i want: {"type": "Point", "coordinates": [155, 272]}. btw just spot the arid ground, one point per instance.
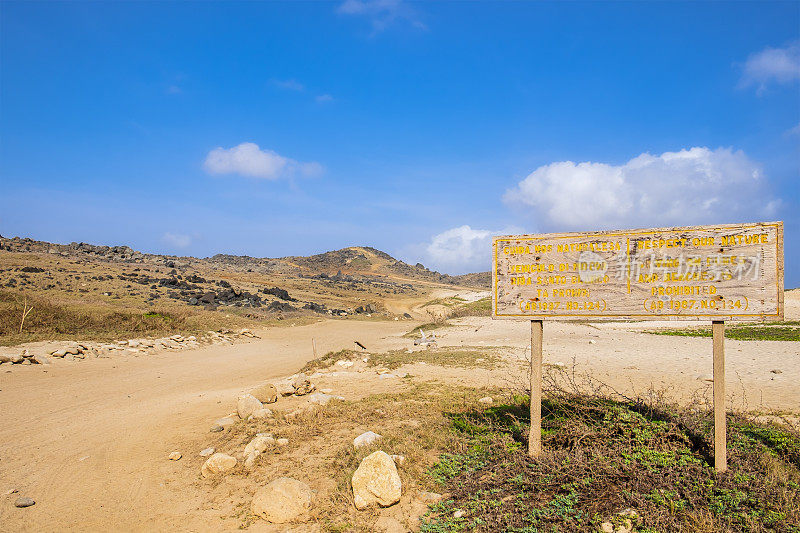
{"type": "Point", "coordinates": [89, 438]}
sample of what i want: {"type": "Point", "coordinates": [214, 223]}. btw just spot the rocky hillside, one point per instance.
{"type": "Point", "coordinates": [352, 261]}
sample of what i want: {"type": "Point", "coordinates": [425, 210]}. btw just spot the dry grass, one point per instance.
{"type": "Point", "coordinates": [466, 357]}
{"type": "Point", "coordinates": [51, 321]}
{"type": "Point", "coordinates": [412, 423]}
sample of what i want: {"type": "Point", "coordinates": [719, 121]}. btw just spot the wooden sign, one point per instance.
{"type": "Point", "coordinates": [722, 272]}
{"type": "Point", "coordinates": [717, 273]}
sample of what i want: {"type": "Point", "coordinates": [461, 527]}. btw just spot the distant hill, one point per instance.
{"type": "Point", "coordinates": [351, 261]}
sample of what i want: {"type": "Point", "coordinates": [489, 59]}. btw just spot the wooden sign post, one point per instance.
{"type": "Point", "coordinates": [718, 273]}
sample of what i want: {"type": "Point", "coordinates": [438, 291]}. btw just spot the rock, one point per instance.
{"type": "Point", "coordinates": [266, 393]}
{"type": "Point", "coordinates": [16, 358]}
{"type": "Point", "coordinates": [399, 460]}
{"type": "Point", "coordinates": [283, 442]}
{"type": "Point", "coordinates": [607, 527]}
{"type": "Point", "coordinates": [59, 353]}
{"type": "Point", "coordinates": [217, 464]}
{"type": "Point", "coordinates": [282, 500]}
{"type": "Point", "coordinates": [320, 398]}
{"type": "Point", "coordinates": [246, 404]}
{"type": "Point", "coordinates": [344, 364]}
{"type": "Point", "coordinates": [216, 428]}
{"type": "Point", "coordinates": [24, 502]}
{"type": "Point", "coordinates": [207, 452]}
{"type": "Point", "coordinates": [250, 460]}
{"type": "Point", "coordinates": [40, 359]}
{"type": "Point", "coordinates": [225, 421]}
{"type": "Point", "coordinates": [365, 439]}
{"type": "Point", "coordinates": [387, 524]}
{"type": "Point", "coordinates": [302, 385]}
{"type": "Point", "coordinates": [459, 513]}
{"type": "Point", "coordinates": [175, 456]}
{"type": "Point", "coordinates": [376, 481]}
{"type": "Point", "coordinates": [259, 444]}
{"type": "Point", "coordinates": [776, 371]}
{"type": "Point", "coordinates": [486, 400]}
{"type": "Point", "coordinates": [284, 388]}
{"type": "Point", "coordinates": [261, 414]}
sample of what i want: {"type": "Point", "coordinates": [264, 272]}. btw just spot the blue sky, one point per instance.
{"type": "Point", "coordinates": [273, 129]}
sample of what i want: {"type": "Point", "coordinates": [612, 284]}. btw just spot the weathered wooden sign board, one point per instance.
{"type": "Point", "coordinates": [729, 272]}
{"type": "Point", "coordinates": [718, 273]}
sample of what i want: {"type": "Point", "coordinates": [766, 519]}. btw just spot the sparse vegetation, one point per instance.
{"type": "Point", "coordinates": [482, 307]}
{"type": "Point", "coordinates": [427, 328]}
{"type": "Point", "coordinates": [776, 331]}
{"type": "Point", "coordinates": [49, 320]}
{"type": "Point", "coordinates": [446, 356]}
{"type": "Point", "coordinates": [604, 457]}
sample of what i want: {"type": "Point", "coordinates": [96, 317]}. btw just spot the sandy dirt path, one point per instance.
{"type": "Point", "coordinates": [89, 441]}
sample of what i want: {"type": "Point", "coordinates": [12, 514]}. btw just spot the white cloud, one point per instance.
{"type": "Point", "coordinates": [693, 186]}
{"type": "Point", "coordinates": [247, 159]}
{"type": "Point", "coordinates": [177, 240]}
{"type": "Point", "coordinates": [779, 65]}
{"type": "Point", "coordinates": [461, 250]}
{"type": "Point", "coordinates": [794, 131]}
{"type": "Point", "coordinates": [382, 13]}
{"type": "Point", "coordinates": [322, 98]}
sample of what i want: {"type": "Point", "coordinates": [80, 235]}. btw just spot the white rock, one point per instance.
{"type": "Point", "coordinates": [282, 500]}
{"type": "Point", "coordinates": [175, 456]}
{"type": "Point", "coordinates": [283, 442]}
{"type": "Point", "coordinates": [217, 464]}
{"type": "Point", "coordinates": [459, 513]}
{"type": "Point", "coordinates": [225, 421]}
{"type": "Point", "coordinates": [486, 400]}
{"type": "Point", "coordinates": [344, 364]}
{"type": "Point", "coordinates": [245, 405]}
{"type": "Point", "coordinates": [321, 398]}
{"type": "Point", "coordinates": [261, 413]}
{"type": "Point", "coordinates": [376, 481]}
{"type": "Point", "coordinates": [207, 452]}
{"type": "Point", "coordinates": [259, 444]}
{"type": "Point", "coordinates": [365, 439]}
{"type": "Point", "coordinates": [399, 460]}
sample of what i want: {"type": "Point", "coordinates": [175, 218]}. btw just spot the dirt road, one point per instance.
{"type": "Point", "coordinates": [89, 441]}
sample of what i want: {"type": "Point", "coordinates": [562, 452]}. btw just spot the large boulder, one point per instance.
{"type": "Point", "coordinates": [282, 500]}
{"type": "Point", "coordinates": [266, 393]}
{"type": "Point", "coordinates": [246, 405]}
{"type": "Point", "coordinates": [217, 464]}
{"type": "Point", "coordinates": [376, 481]}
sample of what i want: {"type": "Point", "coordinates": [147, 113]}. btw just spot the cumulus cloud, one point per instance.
{"type": "Point", "coordinates": [693, 186]}
{"type": "Point", "coordinates": [462, 249]}
{"type": "Point", "coordinates": [247, 159]}
{"type": "Point", "coordinates": [779, 65]}
{"type": "Point", "coordinates": [177, 240]}
{"type": "Point", "coordinates": [382, 13]}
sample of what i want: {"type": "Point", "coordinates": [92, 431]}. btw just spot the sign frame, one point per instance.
{"type": "Point", "coordinates": [717, 321]}
{"type": "Point", "coordinates": [776, 226]}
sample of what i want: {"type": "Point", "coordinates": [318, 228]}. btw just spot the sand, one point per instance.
{"type": "Point", "coordinates": [89, 440]}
